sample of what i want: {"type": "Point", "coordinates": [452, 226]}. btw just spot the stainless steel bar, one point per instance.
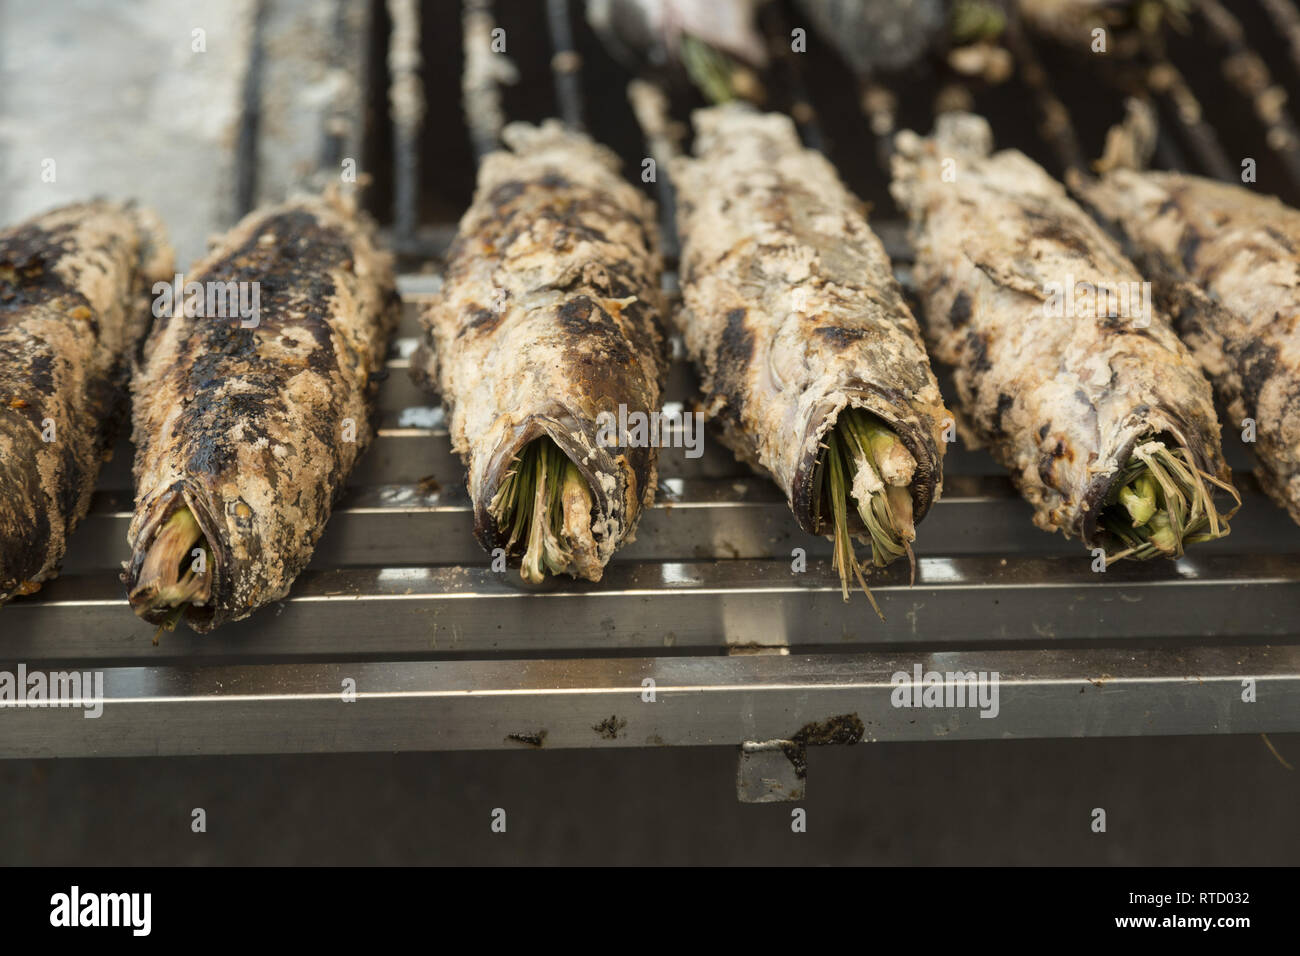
{"type": "Point", "coordinates": [641, 702]}
{"type": "Point", "coordinates": [1055, 126]}
{"type": "Point", "coordinates": [484, 71]}
{"type": "Point", "coordinates": [1286, 18]}
{"type": "Point", "coordinates": [250, 119]}
{"type": "Point", "coordinates": [1168, 84]}
{"type": "Point", "coordinates": [406, 107]}
{"type": "Point", "coordinates": [776, 31]}
{"type": "Point", "coordinates": [469, 609]}
{"type": "Point", "coordinates": [566, 64]}
{"type": "Point", "coordinates": [663, 138]}
{"type": "Point", "coordinates": [692, 519]}
{"type": "Point", "coordinates": [1246, 70]}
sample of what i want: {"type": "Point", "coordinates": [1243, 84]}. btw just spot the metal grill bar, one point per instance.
{"type": "Point", "coordinates": [777, 32]}
{"type": "Point", "coordinates": [462, 705]}
{"type": "Point", "coordinates": [739, 517]}
{"type": "Point", "coordinates": [406, 107]}
{"type": "Point", "coordinates": [566, 64]}
{"type": "Point", "coordinates": [250, 117]}
{"type": "Point", "coordinates": [1287, 19]}
{"type": "Point", "coordinates": [1246, 71]}
{"type": "Point", "coordinates": [663, 137]}
{"type": "Point", "coordinates": [650, 606]}
{"type": "Point", "coordinates": [483, 73]}
{"type": "Point", "coordinates": [1055, 126]}
{"type": "Point", "coordinates": [1172, 89]}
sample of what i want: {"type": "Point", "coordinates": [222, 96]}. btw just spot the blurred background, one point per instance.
{"type": "Point", "coordinates": [205, 108]}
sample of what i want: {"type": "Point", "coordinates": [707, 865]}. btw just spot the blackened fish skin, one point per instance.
{"type": "Point", "coordinates": [256, 428]}
{"type": "Point", "coordinates": [791, 310]}
{"type": "Point", "coordinates": [1241, 252]}
{"type": "Point", "coordinates": [1059, 400]}
{"type": "Point", "coordinates": [550, 314]}
{"type": "Point", "coordinates": [74, 301]}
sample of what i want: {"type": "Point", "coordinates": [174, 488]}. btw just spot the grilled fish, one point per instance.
{"type": "Point", "coordinates": [74, 286]}
{"type": "Point", "coordinates": [882, 35]}
{"type": "Point", "coordinates": [1228, 261]}
{"type": "Point", "coordinates": [548, 321]}
{"type": "Point", "coordinates": [1064, 368]}
{"type": "Point", "coordinates": [650, 32]}
{"type": "Point", "coordinates": [246, 427]}
{"type": "Point", "coordinates": [795, 321]}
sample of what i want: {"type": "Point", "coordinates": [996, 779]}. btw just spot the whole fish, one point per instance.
{"type": "Point", "coordinates": [650, 32]}
{"type": "Point", "coordinates": [546, 331]}
{"type": "Point", "coordinates": [74, 287]}
{"type": "Point", "coordinates": [248, 420]}
{"type": "Point", "coordinates": [1241, 250]}
{"type": "Point", "coordinates": [801, 335]}
{"type": "Point", "coordinates": [880, 35]}
{"type": "Point", "coordinates": [1064, 367]}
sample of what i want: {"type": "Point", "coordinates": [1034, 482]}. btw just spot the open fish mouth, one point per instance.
{"type": "Point", "coordinates": [1160, 502]}
{"type": "Point", "coordinates": [866, 471]}
{"type": "Point", "coordinates": [172, 576]}
{"type": "Point", "coordinates": [543, 505]}
{"type": "Point", "coordinates": [556, 500]}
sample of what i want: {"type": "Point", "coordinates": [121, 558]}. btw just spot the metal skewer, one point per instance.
{"type": "Point", "coordinates": [406, 105]}
{"type": "Point", "coordinates": [566, 64]}
{"type": "Point", "coordinates": [1249, 75]}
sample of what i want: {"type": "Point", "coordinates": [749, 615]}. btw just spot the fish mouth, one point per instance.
{"type": "Point", "coordinates": [175, 572]}
{"type": "Point", "coordinates": [1160, 501]}
{"type": "Point", "coordinates": [1166, 470]}
{"type": "Point", "coordinates": [805, 498]}
{"type": "Point", "coordinates": [591, 528]}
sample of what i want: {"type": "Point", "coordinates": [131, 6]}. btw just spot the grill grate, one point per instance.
{"type": "Point", "coordinates": [448, 655]}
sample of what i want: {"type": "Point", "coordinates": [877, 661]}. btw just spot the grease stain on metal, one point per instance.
{"type": "Point", "coordinates": [844, 729]}
{"type": "Point", "coordinates": [532, 740]}
{"type": "Point", "coordinates": [610, 727]}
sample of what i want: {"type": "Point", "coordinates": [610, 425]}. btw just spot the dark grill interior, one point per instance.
{"type": "Point", "coordinates": [1091, 88]}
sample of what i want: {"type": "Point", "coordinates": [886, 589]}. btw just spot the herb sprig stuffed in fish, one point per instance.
{"type": "Point", "coordinates": [810, 359]}
{"type": "Point", "coordinates": [548, 321]}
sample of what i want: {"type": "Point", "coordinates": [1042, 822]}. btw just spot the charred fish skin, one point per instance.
{"type": "Point", "coordinates": [790, 308]}
{"type": "Point", "coordinates": [253, 425]}
{"type": "Point", "coordinates": [74, 288]}
{"type": "Point", "coordinates": [1228, 261]}
{"type": "Point", "coordinates": [550, 315]}
{"type": "Point", "coordinates": [1060, 401]}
